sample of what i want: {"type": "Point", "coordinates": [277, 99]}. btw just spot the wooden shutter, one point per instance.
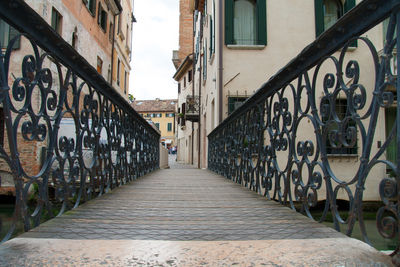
{"type": "Point", "coordinates": [211, 36]}
{"type": "Point", "coordinates": [319, 17]}
{"type": "Point", "coordinates": [262, 22]}
{"type": "Point", "coordinates": [229, 22]}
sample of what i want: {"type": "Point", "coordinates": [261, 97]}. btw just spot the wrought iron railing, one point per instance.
{"type": "Point", "coordinates": [192, 108]}
{"type": "Point", "coordinates": [58, 108]}
{"type": "Point", "coordinates": [316, 130]}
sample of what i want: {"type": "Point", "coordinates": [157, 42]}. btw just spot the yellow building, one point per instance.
{"type": "Point", "coordinates": [161, 113]}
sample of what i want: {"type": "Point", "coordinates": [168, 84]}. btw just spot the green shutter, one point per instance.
{"type": "Point", "coordinates": [262, 22]}
{"type": "Point", "coordinates": [319, 17]}
{"type": "Point", "coordinates": [211, 36]}
{"type": "Point", "coordinates": [229, 22]}
{"type": "Point", "coordinates": [13, 33]}
{"type": "Point", "coordinates": [231, 105]}
{"type": "Point", "coordinates": [349, 4]}
{"type": "Point", "coordinates": [99, 14]}
{"type": "Point", "coordinates": [205, 60]}
{"type": "Point", "coordinates": [169, 127]}
{"type": "Point", "coordinates": [3, 36]}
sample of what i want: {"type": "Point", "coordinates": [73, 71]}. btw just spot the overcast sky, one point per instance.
{"type": "Point", "coordinates": [155, 35]}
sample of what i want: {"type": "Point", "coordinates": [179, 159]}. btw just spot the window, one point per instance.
{"type": "Point", "coordinates": [179, 88]}
{"type": "Point", "coordinates": [205, 60]}
{"type": "Point", "coordinates": [327, 12]}
{"type": "Point", "coordinates": [196, 54]}
{"type": "Point", "coordinates": [7, 33]}
{"type": "Point", "coordinates": [184, 82]}
{"type": "Point", "coordinates": [212, 30]}
{"type": "Point", "coordinates": [119, 22]}
{"type": "Point", "coordinates": [111, 32]}
{"type": "Point", "coordinates": [99, 65]}
{"type": "Point", "coordinates": [157, 125]}
{"type": "Point", "coordinates": [234, 103]}
{"type": "Point", "coordinates": [336, 147]}
{"type": "Point", "coordinates": [127, 36]}
{"type": "Point", "coordinates": [190, 76]}
{"type": "Point", "coordinates": [102, 18]}
{"type": "Point", "coordinates": [159, 115]}
{"type": "Point", "coordinates": [125, 81]}
{"type": "Point", "coordinates": [245, 22]}
{"type": "Point", "coordinates": [56, 20]}
{"type": "Point", "coordinates": [118, 69]}
{"type": "Point", "coordinates": [74, 41]}
{"type": "Point", "coordinates": [91, 6]}
{"type": "Point", "coordinates": [169, 127]}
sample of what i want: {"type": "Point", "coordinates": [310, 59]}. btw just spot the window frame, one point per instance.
{"type": "Point", "coordinates": [91, 6]}
{"type": "Point", "coordinates": [102, 18]}
{"type": "Point", "coordinates": [232, 100]}
{"type": "Point", "coordinates": [56, 20]}
{"type": "Point", "coordinates": [261, 23]}
{"type": "Point", "coordinates": [9, 34]}
{"type": "Point", "coordinates": [319, 16]}
{"type": "Point", "coordinates": [341, 111]}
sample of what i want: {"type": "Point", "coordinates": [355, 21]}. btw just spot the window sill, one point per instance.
{"type": "Point", "coordinates": [342, 155]}
{"type": "Point", "coordinates": [246, 47]}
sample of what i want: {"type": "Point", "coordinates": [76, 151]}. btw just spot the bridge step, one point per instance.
{"type": "Point", "coordinates": [189, 217]}
{"type": "Point", "coordinates": [289, 252]}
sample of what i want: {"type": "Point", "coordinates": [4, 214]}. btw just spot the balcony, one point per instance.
{"type": "Point", "coordinates": [192, 111]}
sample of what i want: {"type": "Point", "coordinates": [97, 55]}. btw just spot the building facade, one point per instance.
{"type": "Point", "coordinates": [161, 114]}
{"type": "Point", "coordinates": [122, 47]}
{"type": "Point", "coordinates": [240, 44]}
{"type": "Point", "coordinates": [89, 27]}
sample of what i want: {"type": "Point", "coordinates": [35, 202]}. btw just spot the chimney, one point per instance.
{"type": "Point", "coordinates": [175, 58]}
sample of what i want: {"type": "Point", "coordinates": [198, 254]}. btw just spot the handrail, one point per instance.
{"type": "Point", "coordinates": [357, 21]}
{"type": "Point", "coordinates": [326, 104]}
{"type": "Point", "coordinates": [58, 108]}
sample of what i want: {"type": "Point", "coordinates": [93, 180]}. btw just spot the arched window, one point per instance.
{"type": "Point", "coordinates": [327, 12]}
{"type": "Point", "coordinates": [333, 10]}
{"type": "Point", "coordinates": [244, 22]}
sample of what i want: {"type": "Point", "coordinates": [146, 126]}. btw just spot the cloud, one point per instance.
{"type": "Point", "coordinates": [155, 35]}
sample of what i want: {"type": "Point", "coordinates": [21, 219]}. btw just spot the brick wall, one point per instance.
{"type": "Point", "coordinates": [185, 30]}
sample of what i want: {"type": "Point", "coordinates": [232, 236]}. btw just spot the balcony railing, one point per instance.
{"type": "Point", "coordinates": [54, 102]}
{"type": "Point", "coordinates": [192, 108]}
{"type": "Point", "coordinates": [328, 97]}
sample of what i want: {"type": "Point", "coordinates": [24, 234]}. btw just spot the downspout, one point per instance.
{"type": "Point", "coordinates": [220, 60]}
{"type": "Point", "coordinates": [199, 132]}
{"type": "Point", "coordinates": [112, 53]}
{"type": "Point", "coordinates": [194, 74]}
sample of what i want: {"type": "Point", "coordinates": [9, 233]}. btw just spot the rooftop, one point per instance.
{"type": "Point", "coordinates": [154, 105]}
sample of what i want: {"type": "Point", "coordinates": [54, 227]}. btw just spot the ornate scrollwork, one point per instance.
{"type": "Point", "coordinates": [89, 142]}
{"type": "Point", "coordinates": [332, 110]}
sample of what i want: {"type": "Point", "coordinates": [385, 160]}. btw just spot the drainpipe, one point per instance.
{"type": "Point", "coordinates": [112, 53]}
{"type": "Point", "coordinates": [199, 132]}
{"type": "Point", "coordinates": [220, 61]}
{"type": "Point", "coordinates": [194, 74]}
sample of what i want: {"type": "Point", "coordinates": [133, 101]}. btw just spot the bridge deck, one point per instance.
{"type": "Point", "coordinates": [144, 223]}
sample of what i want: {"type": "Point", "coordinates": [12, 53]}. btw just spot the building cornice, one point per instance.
{"type": "Point", "coordinates": [186, 64]}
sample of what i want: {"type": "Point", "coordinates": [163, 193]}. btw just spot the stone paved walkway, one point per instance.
{"type": "Point", "coordinates": [183, 204]}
